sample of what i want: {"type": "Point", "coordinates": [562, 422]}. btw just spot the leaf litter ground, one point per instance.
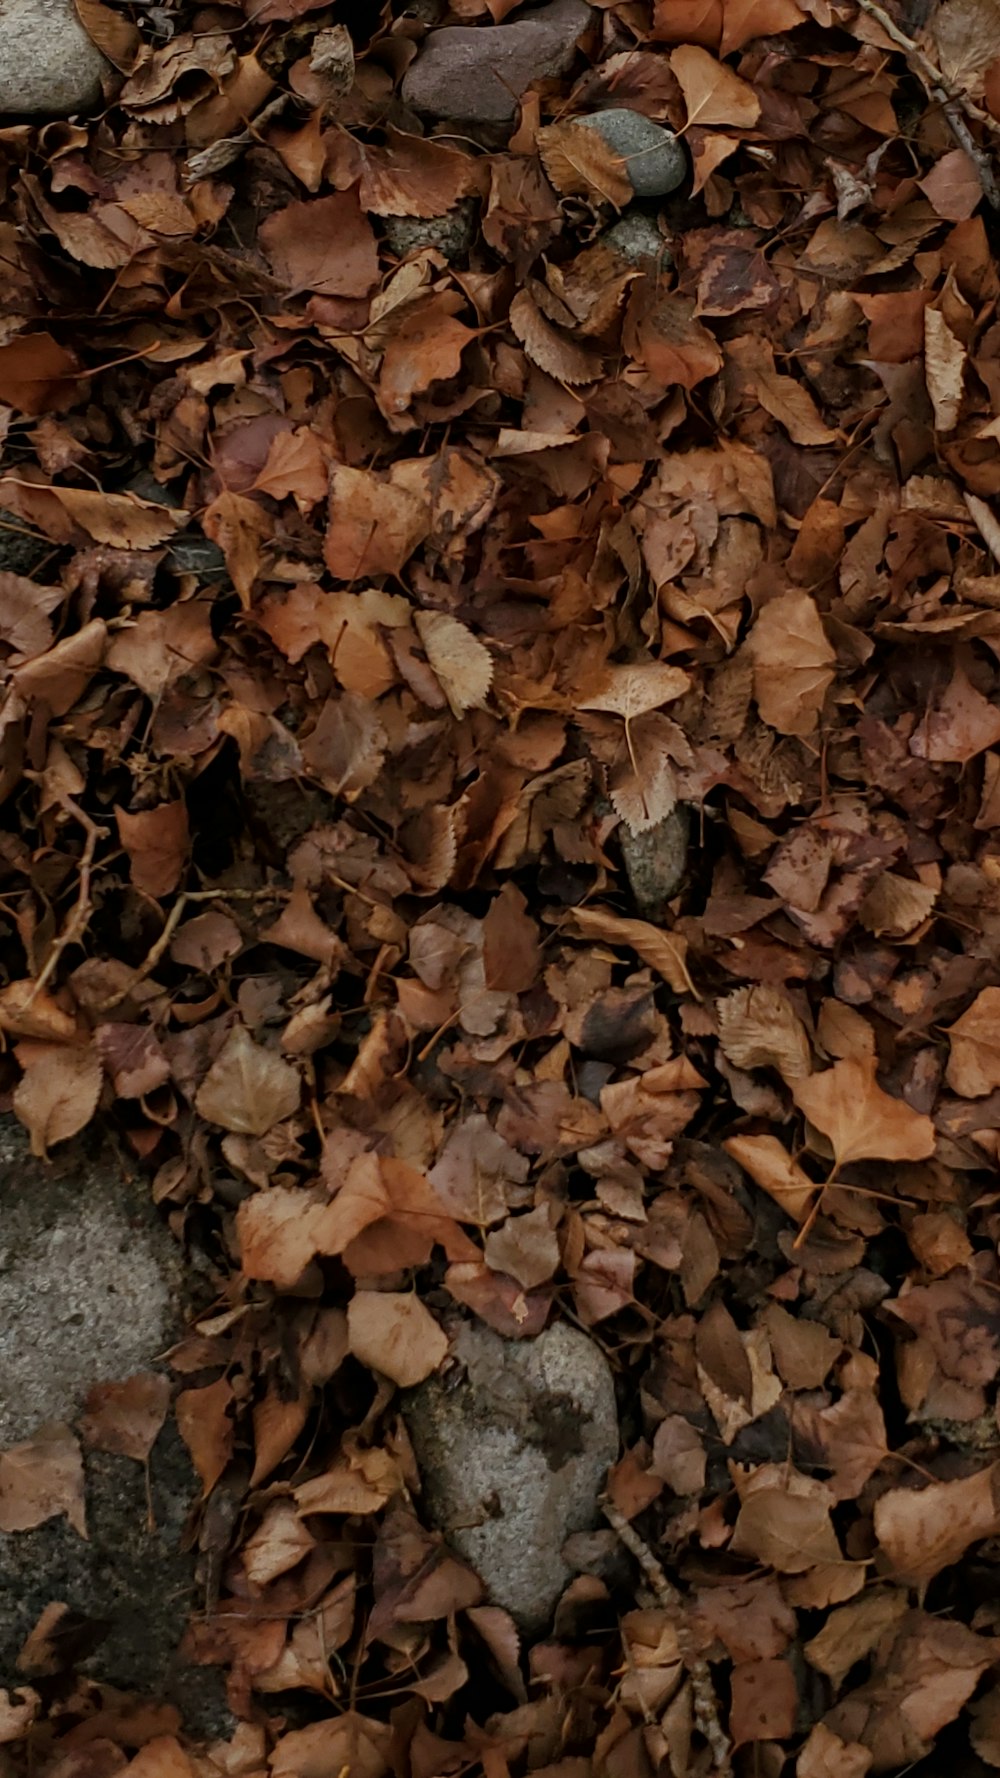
{"type": "Point", "coordinates": [357, 604]}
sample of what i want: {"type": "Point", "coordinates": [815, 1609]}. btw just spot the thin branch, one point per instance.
{"type": "Point", "coordinates": [954, 101]}
{"type": "Point", "coordinates": [706, 1705]}
{"type": "Point", "coordinates": [156, 951]}
{"type": "Point", "coordinates": [76, 924]}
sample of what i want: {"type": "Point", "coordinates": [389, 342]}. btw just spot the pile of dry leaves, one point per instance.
{"type": "Point", "coordinates": [312, 869]}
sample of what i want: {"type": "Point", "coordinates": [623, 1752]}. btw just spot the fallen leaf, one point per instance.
{"type": "Point", "coordinates": [248, 1089]}
{"type": "Point", "coordinates": [974, 1047]}
{"type": "Point", "coordinates": [713, 94]}
{"type": "Point", "coordinates": [126, 1418]}
{"type": "Point", "coordinates": [793, 663]}
{"type": "Point", "coordinates": [158, 843]}
{"type": "Point", "coordinates": [862, 1122]}
{"type": "Point", "coordinates": [922, 1530]}
{"type": "Point", "coordinates": [42, 1479]}
{"type": "Point", "coordinates": [393, 1333]}
{"type": "Point", "coordinates": [205, 1424]}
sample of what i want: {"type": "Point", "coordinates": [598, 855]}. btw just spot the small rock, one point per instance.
{"type": "Point", "coordinates": [657, 859]}
{"type": "Point", "coordinates": [49, 67]}
{"type": "Point", "coordinates": [636, 238]}
{"type": "Point", "coordinates": [21, 549]}
{"type": "Point", "coordinates": [91, 1284]}
{"type": "Point", "coordinates": [477, 73]}
{"type": "Point", "coordinates": [655, 161]}
{"type": "Point", "coordinates": [514, 1457]}
{"type": "Point", "coordinates": [452, 234]}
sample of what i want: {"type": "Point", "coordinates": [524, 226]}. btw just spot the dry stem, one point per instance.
{"type": "Point", "coordinates": [954, 100]}
{"type": "Point", "coordinates": [706, 1708]}
{"type": "Point", "coordinates": [76, 924]}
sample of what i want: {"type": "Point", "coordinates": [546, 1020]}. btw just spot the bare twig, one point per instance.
{"type": "Point", "coordinates": [706, 1707]}
{"type": "Point", "coordinates": [76, 925]}
{"type": "Point", "coordinates": [955, 102]}
{"type": "Point", "coordinates": [156, 951]}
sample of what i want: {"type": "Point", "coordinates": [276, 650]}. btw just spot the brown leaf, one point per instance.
{"type": "Point", "coordinates": [525, 1248]}
{"type": "Point", "coordinates": [631, 691]}
{"type": "Point", "coordinates": [922, 1530]}
{"type": "Point", "coordinates": [944, 369]}
{"type": "Point", "coordinates": [248, 1089]}
{"type": "Point", "coordinates": [158, 843]}
{"type": "Point", "coordinates": [663, 951]}
{"type": "Point", "coordinates": [974, 1044]}
{"type": "Point", "coordinates": [376, 522]}
{"type": "Point", "coordinates": [793, 663]}
{"type": "Point", "coordinates": [414, 176]}
{"type": "Point", "coordinates": [712, 92]}
{"type": "Point", "coordinates": [37, 374]}
{"type": "Point", "coordinates": [772, 1168]}
{"type": "Point", "coordinates": [120, 520]}
{"type": "Point", "coordinates": [58, 1093]}
{"type": "Point", "coordinates": [41, 1479]}
{"type": "Point", "coordinates": [240, 527]}
{"type": "Point", "coordinates": [393, 1333]}
{"type": "Point", "coordinates": [325, 245]}
{"type": "Point", "coordinates": [580, 164]}
{"type": "Point", "coordinates": [553, 352]}
{"type": "Point", "coordinates": [789, 1531]}
{"type": "Point", "coordinates": [460, 661]}
{"type": "Point", "coordinates": [862, 1122]}
{"type": "Point", "coordinates": [676, 348]}
{"type": "Point", "coordinates": [126, 1418]}
{"type": "Point", "coordinates": [759, 1028]}
{"type": "Point", "coordinates": [205, 1425]}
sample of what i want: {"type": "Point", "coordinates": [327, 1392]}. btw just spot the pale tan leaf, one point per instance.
{"type": "Point", "coordinates": [712, 92]}
{"type": "Point", "coordinates": [895, 906]}
{"type": "Point", "coordinates": [633, 690]}
{"type": "Point", "coordinates": [248, 1089]}
{"type": "Point", "coordinates": [663, 951]}
{"type": "Point", "coordinates": [974, 1062]}
{"type": "Point", "coordinates": [462, 664]}
{"type": "Point", "coordinates": [793, 663]}
{"type": "Point", "coordinates": [771, 1167]}
{"type": "Point", "coordinates": [862, 1122]}
{"type": "Point", "coordinates": [944, 369]}
{"type": "Point", "coordinates": [393, 1333]}
{"type": "Point", "coordinates": [41, 1479]}
{"type": "Point", "coordinates": [121, 520]}
{"type": "Point", "coordinates": [922, 1530]}
{"type": "Point", "coordinates": [58, 1093]}
{"type": "Point", "coordinates": [759, 1028]}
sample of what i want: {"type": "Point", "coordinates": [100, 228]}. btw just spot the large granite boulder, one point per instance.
{"type": "Point", "coordinates": [49, 67]}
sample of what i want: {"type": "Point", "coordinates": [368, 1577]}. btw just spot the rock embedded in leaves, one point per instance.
{"type": "Point", "coordinates": [636, 238]}
{"type": "Point", "coordinates": [477, 73]}
{"type": "Point", "coordinates": [49, 66]}
{"type": "Point", "coordinates": [451, 234]}
{"type": "Point", "coordinates": [513, 1459]}
{"type": "Point", "coordinates": [656, 859]}
{"type": "Point", "coordinates": [655, 160]}
{"type": "Point", "coordinates": [90, 1295]}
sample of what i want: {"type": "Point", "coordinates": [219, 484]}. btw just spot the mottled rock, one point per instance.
{"type": "Point", "coordinates": [636, 238]}
{"type": "Point", "coordinates": [451, 234]}
{"type": "Point", "coordinates": [657, 859]}
{"type": "Point", "coordinates": [477, 73]}
{"type": "Point", "coordinates": [655, 161]}
{"type": "Point", "coordinates": [49, 67]}
{"type": "Point", "coordinates": [21, 549]}
{"type": "Point", "coordinates": [513, 1457]}
{"type": "Point", "coordinates": [90, 1291]}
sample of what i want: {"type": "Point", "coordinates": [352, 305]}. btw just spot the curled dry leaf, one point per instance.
{"type": "Point", "coordinates": [580, 164]}
{"type": "Point", "coordinates": [206, 1426]}
{"type": "Point", "coordinates": [126, 1418]}
{"type": "Point", "coordinates": [772, 1168]}
{"type": "Point", "coordinates": [158, 844]}
{"type": "Point", "coordinates": [759, 1028]}
{"type": "Point", "coordinates": [713, 94]}
{"type": "Point", "coordinates": [554, 352]}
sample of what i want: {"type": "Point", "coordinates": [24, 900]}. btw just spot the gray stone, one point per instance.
{"type": "Point", "coordinates": [49, 67]}
{"type": "Point", "coordinates": [657, 859]}
{"type": "Point", "coordinates": [655, 160]}
{"type": "Point", "coordinates": [513, 1457]}
{"type": "Point", "coordinates": [636, 238]}
{"type": "Point", "coordinates": [21, 549]}
{"type": "Point", "coordinates": [90, 1291]}
{"type": "Point", "coordinates": [477, 73]}
{"type": "Point", "coordinates": [451, 234]}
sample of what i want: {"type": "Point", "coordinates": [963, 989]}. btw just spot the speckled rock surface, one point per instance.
{"type": "Point", "coordinates": [49, 67]}
{"type": "Point", "coordinates": [452, 234]}
{"type": "Point", "coordinates": [91, 1283]}
{"type": "Point", "coordinates": [636, 238]}
{"type": "Point", "coordinates": [478, 72]}
{"type": "Point", "coordinates": [513, 1458]}
{"type": "Point", "coordinates": [657, 859]}
{"type": "Point", "coordinates": [655, 161]}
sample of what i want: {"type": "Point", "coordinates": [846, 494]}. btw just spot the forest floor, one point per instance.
{"type": "Point", "coordinates": [500, 759]}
